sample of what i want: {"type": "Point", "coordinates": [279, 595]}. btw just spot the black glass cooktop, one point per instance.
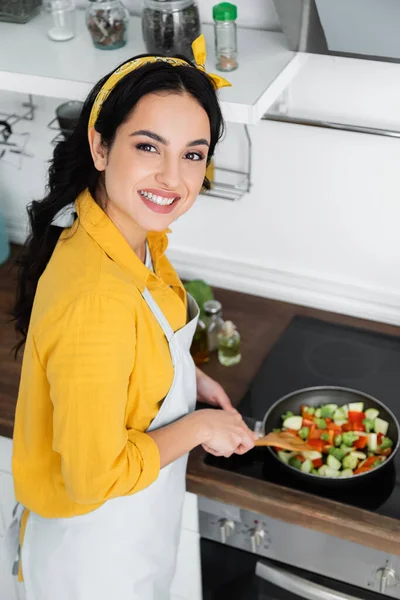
{"type": "Point", "coordinates": [312, 353]}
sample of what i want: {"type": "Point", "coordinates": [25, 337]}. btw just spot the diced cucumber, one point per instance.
{"type": "Point", "coordinates": [373, 442]}
{"type": "Point", "coordinates": [333, 463]}
{"type": "Point", "coordinates": [293, 423]}
{"type": "Point", "coordinates": [346, 449]}
{"type": "Point", "coordinates": [327, 410]}
{"type": "Point", "coordinates": [371, 413]}
{"type": "Point", "coordinates": [285, 456]}
{"type": "Point", "coordinates": [322, 470]}
{"type": "Point", "coordinates": [359, 455]}
{"type": "Point", "coordinates": [317, 413]}
{"type": "Point", "coordinates": [369, 425]}
{"type": "Point", "coordinates": [325, 436]}
{"type": "Point", "coordinates": [295, 462]}
{"type": "Point", "coordinates": [350, 462]}
{"type": "Point", "coordinates": [337, 453]}
{"type": "Point", "coordinates": [386, 443]}
{"type": "Point", "coordinates": [312, 454]}
{"type": "Point", "coordinates": [339, 415]}
{"type": "Point", "coordinates": [310, 410]}
{"type": "Point", "coordinates": [346, 473]}
{"type": "Point", "coordinates": [314, 471]}
{"type": "Point", "coordinates": [306, 466]}
{"type": "Point", "coordinates": [337, 440]}
{"type": "Point", "coordinates": [349, 437]}
{"type": "Point", "coordinates": [356, 406]}
{"type": "Point", "coordinates": [381, 426]}
{"type": "Point", "coordinates": [345, 409]}
{"type": "Point", "coordinates": [329, 472]}
{"type": "Point", "coordinates": [320, 423]}
{"type": "Point", "coordinates": [304, 433]}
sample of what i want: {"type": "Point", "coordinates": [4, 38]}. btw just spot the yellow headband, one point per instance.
{"type": "Point", "coordinates": [199, 52]}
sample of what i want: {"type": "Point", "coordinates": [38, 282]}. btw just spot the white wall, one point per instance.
{"type": "Point", "coordinates": [320, 225]}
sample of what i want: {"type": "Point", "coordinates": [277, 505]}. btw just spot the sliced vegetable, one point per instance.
{"type": "Point", "coordinates": [314, 471]}
{"type": "Point", "coordinates": [287, 414]}
{"type": "Point", "coordinates": [311, 410]}
{"type": "Point", "coordinates": [317, 463]}
{"type": "Point", "coordinates": [328, 410]}
{"type": "Point", "coordinates": [285, 456]}
{"type": "Point", "coordinates": [322, 470]}
{"type": "Point", "coordinates": [371, 414]}
{"type": "Point", "coordinates": [339, 415]}
{"type": "Point", "coordinates": [337, 440]}
{"type": "Point", "coordinates": [356, 406]}
{"type": "Point", "coordinates": [320, 423]}
{"type": "Point", "coordinates": [341, 422]}
{"type": "Point", "coordinates": [293, 422]}
{"type": "Point", "coordinates": [346, 473]}
{"type": "Point", "coordinates": [294, 462]}
{"type": "Point", "coordinates": [304, 432]}
{"type": "Point", "coordinates": [312, 454]}
{"type": "Point", "coordinates": [317, 413]}
{"type": "Point", "coordinates": [325, 436]}
{"type": "Point", "coordinates": [346, 449]}
{"type": "Point", "coordinates": [350, 462]}
{"type": "Point", "coordinates": [369, 425]}
{"type": "Point", "coordinates": [361, 443]}
{"type": "Point", "coordinates": [355, 416]}
{"type": "Point", "coordinates": [330, 472]}
{"type": "Point", "coordinates": [386, 443]}
{"type": "Point", "coordinates": [317, 444]}
{"type": "Point", "coordinates": [372, 442]}
{"type": "Point", "coordinates": [381, 426]}
{"type": "Point", "coordinates": [306, 466]}
{"type": "Point", "coordinates": [337, 453]}
{"type": "Point", "coordinates": [333, 463]}
{"type": "Point", "coordinates": [359, 455]}
{"type": "Point", "coordinates": [349, 438]}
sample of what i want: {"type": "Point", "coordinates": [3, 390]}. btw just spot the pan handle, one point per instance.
{"type": "Point", "coordinates": [297, 585]}
{"type": "Point", "coordinates": [256, 426]}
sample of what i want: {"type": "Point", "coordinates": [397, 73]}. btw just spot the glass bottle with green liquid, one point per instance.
{"type": "Point", "coordinates": [229, 345]}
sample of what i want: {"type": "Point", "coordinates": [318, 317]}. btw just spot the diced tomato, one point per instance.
{"type": "Point", "coordinates": [316, 444]}
{"type": "Point", "coordinates": [333, 427]}
{"type": "Point", "coordinates": [358, 426]}
{"type": "Point", "coordinates": [356, 417]}
{"type": "Point", "coordinates": [380, 438]}
{"type": "Point", "coordinates": [315, 434]}
{"type": "Point", "coordinates": [318, 462]}
{"type": "Point", "coordinates": [361, 442]}
{"type": "Point", "coordinates": [307, 422]}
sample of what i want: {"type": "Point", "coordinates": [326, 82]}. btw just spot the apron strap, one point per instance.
{"type": "Point", "coordinates": [156, 310]}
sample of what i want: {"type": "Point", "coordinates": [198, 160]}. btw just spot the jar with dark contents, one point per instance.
{"type": "Point", "coordinates": [107, 21]}
{"type": "Point", "coordinates": [170, 27]}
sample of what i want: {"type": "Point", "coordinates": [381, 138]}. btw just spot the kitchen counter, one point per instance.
{"type": "Point", "coordinates": [261, 322]}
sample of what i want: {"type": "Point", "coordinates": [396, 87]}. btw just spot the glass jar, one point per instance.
{"type": "Point", "coordinates": [225, 32]}
{"type": "Point", "coordinates": [199, 347]}
{"type": "Point", "coordinates": [214, 322]}
{"type": "Point", "coordinates": [170, 27]}
{"type": "Point", "coordinates": [63, 16]}
{"type": "Point", "coordinates": [107, 21]}
{"type": "Point", "coordinates": [229, 345]}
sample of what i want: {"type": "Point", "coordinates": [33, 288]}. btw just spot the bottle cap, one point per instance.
{"type": "Point", "coordinates": [225, 11]}
{"type": "Point", "coordinates": [212, 307]}
{"type": "Point", "coordinates": [228, 329]}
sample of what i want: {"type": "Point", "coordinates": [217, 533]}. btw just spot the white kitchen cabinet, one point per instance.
{"type": "Point", "coordinates": [187, 582]}
{"type": "Point", "coordinates": [10, 589]}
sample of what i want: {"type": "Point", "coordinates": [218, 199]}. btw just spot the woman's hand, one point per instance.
{"type": "Point", "coordinates": [211, 392]}
{"type": "Point", "coordinates": [225, 433]}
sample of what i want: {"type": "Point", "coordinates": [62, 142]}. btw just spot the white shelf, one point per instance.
{"type": "Point", "coordinates": [32, 63]}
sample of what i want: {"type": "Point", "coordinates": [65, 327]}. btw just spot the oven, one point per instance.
{"type": "Point", "coordinates": [247, 556]}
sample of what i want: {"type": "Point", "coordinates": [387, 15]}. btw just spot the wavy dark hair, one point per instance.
{"type": "Point", "coordinates": [72, 170]}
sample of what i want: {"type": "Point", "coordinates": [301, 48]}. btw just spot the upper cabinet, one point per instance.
{"type": "Point", "coordinates": [32, 63]}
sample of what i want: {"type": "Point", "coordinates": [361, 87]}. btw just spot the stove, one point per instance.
{"type": "Point", "coordinates": [247, 555]}
{"type": "Point", "coordinates": [313, 353]}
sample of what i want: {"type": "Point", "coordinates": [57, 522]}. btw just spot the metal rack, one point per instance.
{"type": "Point", "coordinates": [232, 184]}
{"type": "Point", "coordinates": [11, 143]}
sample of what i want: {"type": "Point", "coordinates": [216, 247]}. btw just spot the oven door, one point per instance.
{"type": "Point", "coordinates": [232, 574]}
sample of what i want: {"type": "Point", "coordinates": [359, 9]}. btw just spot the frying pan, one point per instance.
{"type": "Point", "coordinates": [315, 397]}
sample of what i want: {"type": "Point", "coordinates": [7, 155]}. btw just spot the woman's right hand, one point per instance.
{"type": "Point", "coordinates": [225, 432]}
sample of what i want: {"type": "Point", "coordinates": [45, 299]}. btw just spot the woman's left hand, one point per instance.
{"type": "Point", "coordinates": [211, 392]}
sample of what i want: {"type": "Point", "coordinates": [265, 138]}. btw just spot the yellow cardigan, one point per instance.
{"type": "Point", "coordinates": [96, 368]}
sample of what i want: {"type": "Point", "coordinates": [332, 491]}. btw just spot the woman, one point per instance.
{"type": "Point", "coordinates": [105, 417]}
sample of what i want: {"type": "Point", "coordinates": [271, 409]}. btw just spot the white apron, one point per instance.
{"type": "Point", "coordinates": [126, 549]}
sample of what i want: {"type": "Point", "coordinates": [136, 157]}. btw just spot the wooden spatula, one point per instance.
{"type": "Point", "coordinates": [284, 440]}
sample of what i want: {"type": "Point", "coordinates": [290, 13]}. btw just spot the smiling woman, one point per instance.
{"type": "Point", "coordinates": [105, 414]}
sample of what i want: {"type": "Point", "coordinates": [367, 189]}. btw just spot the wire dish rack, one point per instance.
{"type": "Point", "coordinates": [19, 11]}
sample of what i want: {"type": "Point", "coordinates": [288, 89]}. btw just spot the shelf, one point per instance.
{"type": "Point", "coordinates": [31, 63]}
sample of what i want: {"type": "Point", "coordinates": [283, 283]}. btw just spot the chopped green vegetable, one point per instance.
{"type": "Point", "coordinates": [287, 414]}
{"type": "Point", "coordinates": [306, 466]}
{"type": "Point", "coordinates": [310, 410]}
{"type": "Point", "coordinates": [349, 438]}
{"type": "Point", "coordinates": [285, 456]}
{"type": "Point", "coordinates": [337, 453]}
{"type": "Point", "coordinates": [369, 425]}
{"type": "Point", "coordinates": [346, 449]}
{"type": "Point", "coordinates": [325, 437]}
{"type": "Point", "coordinates": [373, 442]}
{"type": "Point", "coordinates": [322, 470]}
{"type": "Point", "coordinates": [294, 462]}
{"type": "Point", "coordinates": [312, 454]}
{"type": "Point", "coordinates": [386, 443]}
{"type": "Point", "coordinates": [293, 423]}
{"type": "Point", "coordinates": [350, 462]}
{"type": "Point", "coordinates": [320, 423]}
{"type": "Point", "coordinates": [337, 440]}
{"type": "Point", "coordinates": [381, 426]}
{"type": "Point", "coordinates": [346, 473]}
{"type": "Point", "coordinates": [314, 471]}
{"type": "Point", "coordinates": [333, 462]}
{"type": "Point", "coordinates": [328, 410]}
{"type": "Point", "coordinates": [304, 433]}
{"type": "Point", "coordinates": [359, 455]}
{"type": "Point", "coordinates": [330, 472]}
{"type": "Point", "coordinates": [317, 413]}
{"type": "Point", "coordinates": [376, 463]}
{"type": "Point", "coordinates": [277, 430]}
{"type": "Point", "coordinates": [356, 406]}
{"type": "Point", "coordinates": [339, 415]}
{"type": "Point", "coordinates": [371, 414]}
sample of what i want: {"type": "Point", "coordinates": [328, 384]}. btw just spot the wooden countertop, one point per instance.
{"type": "Point", "coordinates": [261, 322]}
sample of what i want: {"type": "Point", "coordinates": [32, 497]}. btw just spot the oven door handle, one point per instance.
{"type": "Point", "coordinates": [297, 585]}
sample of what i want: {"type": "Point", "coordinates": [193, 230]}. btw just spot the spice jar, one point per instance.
{"type": "Point", "coordinates": [107, 21]}
{"type": "Point", "coordinates": [63, 16]}
{"type": "Point", "coordinates": [170, 27]}
{"type": "Point", "coordinates": [214, 322]}
{"type": "Point", "coordinates": [199, 347]}
{"type": "Point", "coordinates": [229, 345]}
{"type": "Point", "coordinates": [225, 15]}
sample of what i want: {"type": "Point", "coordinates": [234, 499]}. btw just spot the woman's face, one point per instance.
{"type": "Point", "coordinates": [156, 167]}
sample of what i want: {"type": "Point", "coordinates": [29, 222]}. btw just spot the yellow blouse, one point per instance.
{"type": "Point", "coordinates": [96, 368]}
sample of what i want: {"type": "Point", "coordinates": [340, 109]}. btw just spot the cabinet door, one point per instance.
{"type": "Point", "coordinates": [187, 581]}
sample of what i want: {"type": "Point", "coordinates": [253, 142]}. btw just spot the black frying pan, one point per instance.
{"type": "Point", "coordinates": [316, 396]}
